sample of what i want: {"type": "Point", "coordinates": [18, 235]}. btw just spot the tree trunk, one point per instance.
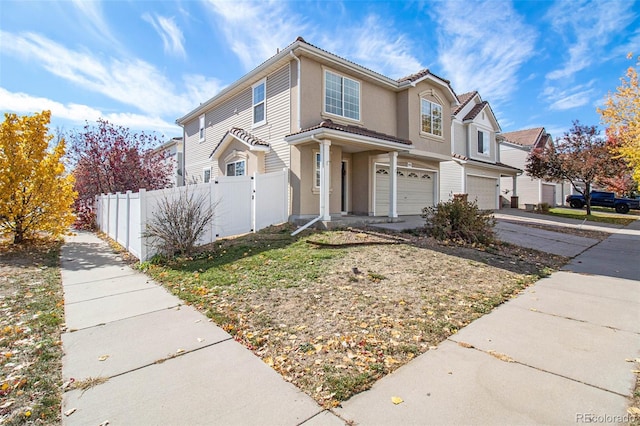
{"type": "Point", "coordinates": [18, 236]}
{"type": "Point", "coordinates": [587, 197]}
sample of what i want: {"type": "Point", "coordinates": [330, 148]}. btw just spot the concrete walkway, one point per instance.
{"type": "Point", "coordinates": [555, 354]}
{"type": "Point", "coordinates": [164, 363]}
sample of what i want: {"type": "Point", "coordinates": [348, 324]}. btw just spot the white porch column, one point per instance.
{"type": "Point", "coordinates": [325, 179]}
{"type": "Point", "coordinates": [514, 191]}
{"type": "Point", "coordinates": [393, 184]}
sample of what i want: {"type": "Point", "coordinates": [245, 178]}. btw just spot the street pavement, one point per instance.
{"type": "Point", "coordinates": [559, 353]}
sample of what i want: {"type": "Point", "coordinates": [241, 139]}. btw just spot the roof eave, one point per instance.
{"type": "Point", "coordinates": [322, 132]}
{"type": "Point", "coordinates": [217, 152]}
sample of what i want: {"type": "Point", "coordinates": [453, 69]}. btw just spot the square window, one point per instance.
{"type": "Point", "coordinates": [237, 168]}
{"type": "Point", "coordinates": [341, 96]}
{"type": "Point", "coordinates": [206, 175]}
{"type": "Point", "coordinates": [483, 143]}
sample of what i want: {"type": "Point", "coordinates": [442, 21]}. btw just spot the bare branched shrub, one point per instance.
{"type": "Point", "coordinates": [460, 220]}
{"type": "Point", "coordinates": [178, 224]}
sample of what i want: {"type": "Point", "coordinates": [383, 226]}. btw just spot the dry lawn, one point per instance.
{"type": "Point", "coordinates": [335, 311]}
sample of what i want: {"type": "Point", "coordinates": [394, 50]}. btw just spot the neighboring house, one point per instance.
{"type": "Point", "coordinates": [355, 142]}
{"type": "Point", "coordinates": [475, 168]}
{"type": "Point", "coordinates": [515, 148]}
{"type": "Point", "coordinates": [174, 154]}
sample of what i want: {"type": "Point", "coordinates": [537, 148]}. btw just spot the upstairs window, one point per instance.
{"type": "Point", "coordinates": [341, 96]}
{"type": "Point", "coordinates": [201, 128]}
{"type": "Point", "coordinates": [259, 103]}
{"type": "Point", "coordinates": [206, 175]}
{"type": "Point", "coordinates": [431, 117]}
{"type": "Point", "coordinates": [483, 142]}
{"type": "Point", "coordinates": [237, 168]}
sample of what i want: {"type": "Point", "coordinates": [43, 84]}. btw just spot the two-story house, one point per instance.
{"type": "Point", "coordinates": [515, 148]}
{"type": "Point", "coordinates": [355, 141]}
{"type": "Point", "coordinates": [475, 168]}
{"type": "Point", "coordinates": [173, 155]}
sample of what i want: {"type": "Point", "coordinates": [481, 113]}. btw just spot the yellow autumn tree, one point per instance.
{"type": "Point", "coordinates": [622, 114]}
{"type": "Point", "coordinates": [36, 195]}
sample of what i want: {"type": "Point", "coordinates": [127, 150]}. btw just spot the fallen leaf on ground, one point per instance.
{"type": "Point", "coordinates": [70, 412]}
{"type": "Point", "coordinates": [465, 345]}
{"type": "Point", "coordinates": [179, 351]}
{"type": "Point", "coordinates": [501, 357]}
{"type": "Point", "coordinates": [397, 400]}
{"type": "Point", "coordinates": [103, 357]}
{"type": "Point", "coordinates": [635, 411]}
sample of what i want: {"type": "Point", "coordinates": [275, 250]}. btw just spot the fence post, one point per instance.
{"type": "Point", "coordinates": [254, 210]}
{"type": "Point", "coordinates": [128, 231]}
{"type": "Point", "coordinates": [115, 237]}
{"type": "Point", "coordinates": [142, 194]}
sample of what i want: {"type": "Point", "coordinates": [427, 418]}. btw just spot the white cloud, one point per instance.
{"type": "Point", "coordinates": [23, 103]}
{"type": "Point", "coordinates": [129, 81]}
{"type": "Point", "coordinates": [574, 97]}
{"type": "Point", "coordinates": [375, 45]}
{"type": "Point", "coordinates": [482, 45]}
{"type": "Point", "coordinates": [255, 30]}
{"type": "Point", "coordinates": [588, 27]}
{"type": "Point", "coordinates": [93, 21]}
{"type": "Point", "coordinates": [172, 37]}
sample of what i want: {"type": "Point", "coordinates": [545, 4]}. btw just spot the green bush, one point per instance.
{"type": "Point", "coordinates": [460, 220]}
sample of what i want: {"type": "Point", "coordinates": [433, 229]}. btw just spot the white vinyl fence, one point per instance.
{"type": "Point", "coordinates": [241, 204]}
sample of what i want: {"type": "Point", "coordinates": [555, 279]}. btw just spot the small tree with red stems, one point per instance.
{"type": "Point", "coordinates": [110, 158]}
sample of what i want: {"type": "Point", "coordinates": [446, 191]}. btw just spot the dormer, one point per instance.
{"type": "Point", "coordinates": [474, 129]}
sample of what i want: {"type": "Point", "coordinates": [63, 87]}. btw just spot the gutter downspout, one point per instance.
{"type": "Point", "coordinates": [322, 206]}
{"type": "Point", "coordinates": [299, 95]}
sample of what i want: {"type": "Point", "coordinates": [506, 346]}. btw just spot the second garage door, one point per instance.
{"type": "Point", "coordinates": [484, 191]}
{"type": "Point", "coordinates": [415, 190]}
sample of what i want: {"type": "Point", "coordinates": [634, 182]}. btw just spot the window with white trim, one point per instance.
{"type": "Point", "coordinates": [431, 117]}
{"type": "Point", "coordinates": [201, 128]}
{"type": "Point", "coordinates": [483, 142]}
{"type": "Point", "coordinates": [341, 96]}
{"type": "Point", "coordinates": [236, 168]}
{"type": "Point", "coordinates": [206, 175]}
{"type": "Point", "coordinates": [316, 169]}
{"type": "Point", "coordinates": [259, 103]}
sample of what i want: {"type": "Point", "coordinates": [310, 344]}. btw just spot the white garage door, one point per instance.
{"type": "Point", "coordinates": [483, 190]}
{"type": "Point", "coordinates": [415, 190]}
{"type": "Point", "coordinates": [549, 194]}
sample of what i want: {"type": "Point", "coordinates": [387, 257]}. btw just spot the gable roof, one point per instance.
{"type": "Point", "coordinates": [475, 111]}
{"type": "Point", "coordinates": [236, 133]}
{"type": "Point", "coordinates": [350, 129]}
{"type": "Point", "coordinates": [464, 100]}
{"type": "Point", "coordinates": [301, 47]}
{"type": "Point", "coordinates": [527, 137]}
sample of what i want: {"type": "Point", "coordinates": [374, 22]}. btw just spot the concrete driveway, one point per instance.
{"type": "Point", "coordinates": [512, 227]}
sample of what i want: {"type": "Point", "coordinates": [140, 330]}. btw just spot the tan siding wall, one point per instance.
{"type": "Point", "coordinates": [278, 120]}
{"type": "Point", "coordinates": [460, 139]}
{"type": "Point", "coordinates": [377, 105]}
{"type": "Point", "coordinates": [360, 183]}
{"type": "Point", "coordinates": [237, 112]}
{"type": "Point", "coordinates": [450, 179]}
{"type": "Point", "coordinates": [440, 145]}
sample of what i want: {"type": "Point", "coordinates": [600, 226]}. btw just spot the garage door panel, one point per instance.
{"type": "Point", "coordinates": [483, 191]}
{"type": "Point", "coordinates": [548, 194]}
{"type": "Point", "coordinates": [415, 191]}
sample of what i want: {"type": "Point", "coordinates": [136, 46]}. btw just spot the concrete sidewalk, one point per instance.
{"type": "Point", "coordinates": [164, 363]}
{"type": "Point", "coordinates": [556, 354]}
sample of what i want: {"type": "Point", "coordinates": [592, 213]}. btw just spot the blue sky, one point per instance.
{"type": "Point", "coordinates": [142, 64]}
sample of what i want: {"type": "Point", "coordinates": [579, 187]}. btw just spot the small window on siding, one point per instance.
{"type": "Point", "coordinates": [259, 103]}
{"type": "Point", "coordinates": [201, 128]}
{"type": "Point", "coordinates": [206, 175]}
{"type": "Point", "coordinates": [483, 143]}
{"type": "Point", "coordinates": [237, 168]}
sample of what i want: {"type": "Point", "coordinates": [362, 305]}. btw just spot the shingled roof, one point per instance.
{"type": "Point", "coordinates": [526, 137]}
{"type": "Point", "coordinates": [356, 130]}
{"type": "Point", "coordinates": [475, 111]}
{"type": "Point", "coordinates": [464, 100]}
{"type": "Point", "coordinates": [243, 136]}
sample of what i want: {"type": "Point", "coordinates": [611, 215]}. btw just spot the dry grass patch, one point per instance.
{"type": "Point", "coordinates": [31, 316]}
{"type": "Point", "coordinates": [332, 318]}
